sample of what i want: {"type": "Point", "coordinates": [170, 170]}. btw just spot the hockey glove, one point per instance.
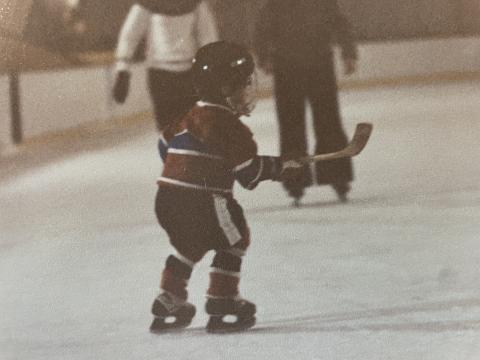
{"type": "Point", "coordinates": [120, 88]}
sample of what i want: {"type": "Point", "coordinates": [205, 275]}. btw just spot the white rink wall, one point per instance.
{"type": "Point", "coordinates": [55, 101]}
{"type": "Point", "coordinates": [5, 131]}
{"type": "Point", "coordinates": [379, 61]}
{"type": "Point", "coordinates": [387, 61]}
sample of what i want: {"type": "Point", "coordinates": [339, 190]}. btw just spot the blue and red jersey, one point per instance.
{"type": "Point", "coordinates": [209, 148]}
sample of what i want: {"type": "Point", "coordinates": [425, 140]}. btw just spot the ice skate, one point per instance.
{"type": "Point", "coordinates": [170, 313]}
{"type": "Point", "coordinates": [341, 190]}
{"type": "Point", "coordinates": [296, 203]}
{"type": "Point", "coordinates": [219, 308]}
{"type": "Point", "coordinates": [297, 195]}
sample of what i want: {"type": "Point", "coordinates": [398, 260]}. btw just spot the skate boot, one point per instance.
{"type": "Point", "coordinates": [218, 308]}
{"type": "Point", "coordinates": [341, 189]}
{"type": "Point", "coordinates": [296, 194]}
{"type": "Point", "coordinates": [296, 186]}
{"type": "Point", "coordinates": [171, 313]}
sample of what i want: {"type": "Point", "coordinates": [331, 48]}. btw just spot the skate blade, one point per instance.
{"type": "Point", "coordinates": [218, 326]}
{"type": "Point", "coordinates": [159, 325]}
{"type": "Point", "coordinates": [296, 203]}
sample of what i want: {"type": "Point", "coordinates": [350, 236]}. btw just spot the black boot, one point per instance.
{"type": "Point", "coordinates": [218, 308]}
{"type": "Point", "coordinates": [296, 187]}
{"type": "Point", "coordinates": [342, 190]}
{"type": "Point", "coordinates": [165, 308]}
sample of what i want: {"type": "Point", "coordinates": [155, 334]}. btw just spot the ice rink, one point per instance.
{"type": "Point", "coordinates": [393, 274]}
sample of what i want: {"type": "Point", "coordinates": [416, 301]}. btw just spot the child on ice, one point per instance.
{"type": "Point", "coordinates": [204, 153]}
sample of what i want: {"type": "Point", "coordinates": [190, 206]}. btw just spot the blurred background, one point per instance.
{"type": "Point", "coordinates": [39, 34]}
{"type": "Point", "coordinates": [399, 40]}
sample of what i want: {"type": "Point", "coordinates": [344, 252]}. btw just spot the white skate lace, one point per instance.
{"type": "Point", "coordinates": [170, 301]}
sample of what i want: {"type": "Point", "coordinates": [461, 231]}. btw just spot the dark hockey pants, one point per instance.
{"type": "Point", "coordinates": [197, 222]}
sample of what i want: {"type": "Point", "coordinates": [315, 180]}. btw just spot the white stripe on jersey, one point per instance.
{"type": "Point", "coordinates": [193, 153]}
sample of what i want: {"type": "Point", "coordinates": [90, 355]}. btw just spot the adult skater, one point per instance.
{"type": "Point", "coordinates": [204, 152]}
{"type": "Point", "coordinates": [293, 40]}
{"type": "Point", "coordinates": [173, 30]}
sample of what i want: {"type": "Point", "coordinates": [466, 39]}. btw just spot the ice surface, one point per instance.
{"type": "Point", "coordinates": [393, 274]}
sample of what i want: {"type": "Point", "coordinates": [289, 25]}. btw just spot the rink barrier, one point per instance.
{"type": "Point", "coordinates": [58, 102]}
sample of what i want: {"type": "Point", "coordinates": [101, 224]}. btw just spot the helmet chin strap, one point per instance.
{"type": "Point", "coordinates": [239, 108]}
{"type": "Point", "coordinates": [243, 100]}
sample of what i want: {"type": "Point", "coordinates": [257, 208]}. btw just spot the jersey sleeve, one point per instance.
{"type": "Point", "coordinates": [239, 149]}
{"type": "Point", "coordinates": [257, 169]}
{"type": "Point", "coordinates": [132, 32]}
{"type": "Point", "coordinates": [207, 31]}
{"type": "Point", "coordinates": [162, 148]}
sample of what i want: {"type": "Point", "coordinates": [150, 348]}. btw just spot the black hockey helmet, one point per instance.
{"type": "Point", "coordinates": [220, 68]}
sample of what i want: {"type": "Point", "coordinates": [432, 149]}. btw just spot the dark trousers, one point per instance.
{"type": "Point", "coordinates": [294, 85]}
{"type": "Point", "coordinates": [172, 95]}
{"type": "Point", "coordinates": [197, 221]}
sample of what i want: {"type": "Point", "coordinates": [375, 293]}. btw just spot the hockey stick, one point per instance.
{"type": "Point", "coordinates": [354, 147]}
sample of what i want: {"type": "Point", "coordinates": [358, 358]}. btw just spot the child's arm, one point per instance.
{"type": "Point", "coordinates": [248, 167]}
{"type": "Point", "coordinates": [257, 169]}
{"type": "Point", "coordinates": [162, 147]}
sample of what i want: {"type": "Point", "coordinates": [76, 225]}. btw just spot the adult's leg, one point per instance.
{"type": "Point", "coordinates": [172, 95]}
{"type": "Point", "coordinates": [290, 105]}
{"type": "Point", "coordinates": [329, 133]}
{"type": "Point", "coordinates": [289, 95]}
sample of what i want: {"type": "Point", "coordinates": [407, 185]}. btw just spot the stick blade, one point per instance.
{"type": "Point", "coordinates": [360, 138]}
{"type": "Point", "coordinates": [354, 147]}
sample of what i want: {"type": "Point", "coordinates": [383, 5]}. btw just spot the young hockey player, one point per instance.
{"type": "Point", "coordinates": [204, 152]}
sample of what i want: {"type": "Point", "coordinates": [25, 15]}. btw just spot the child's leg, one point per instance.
{"type": "Point", "coordinates": [225, 272]}
{"type": "Point", "coordinates": [180, 214]}
{"type": "Point", "coordinates": [185, 236]}
{"type": "Point", "coordinates": [172, 301]}
{"type": "Point", "coordinates": [176, 274]}
{"type": "Point", "coordinates": [223, 296]}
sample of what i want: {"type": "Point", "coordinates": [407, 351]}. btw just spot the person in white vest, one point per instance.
{"type": "Point", "coordinates": [173, 30]}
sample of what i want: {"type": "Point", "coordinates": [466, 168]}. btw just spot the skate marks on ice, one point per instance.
{"type": "Point", "coordinates": [452, 198]}
{"type": "Point", "coordinates": [325, 204]}
{"type": "Point", "coordinates": [191, 330]}
{"type": "Point", "coordinates": [196, 331]}
{"type": "Point", "coordinates": [434, 317]}
{"type": "Point", "coordinates": [303, 205]}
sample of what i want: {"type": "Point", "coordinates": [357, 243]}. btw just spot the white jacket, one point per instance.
{"type": "Point", "coordinates": [171, 41]}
